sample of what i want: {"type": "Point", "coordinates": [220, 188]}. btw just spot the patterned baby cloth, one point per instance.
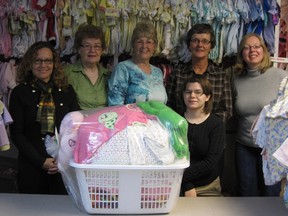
{"type": "Point", "coordinates": [123, 135]}
{"type": "Point", "coordinates": [270, 131]}
{"type": "Point", "coordinates": [137, 144]}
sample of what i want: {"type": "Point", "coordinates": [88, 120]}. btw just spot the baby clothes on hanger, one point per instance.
{"type": "Point", "coordinates": [282, 156]}
{"type": "Point", "coordinates": [5, 37]}
{"type": "Point", "coordinates": [2, 83]}
{"type": "Point", "coordinates": [5, 119]}
{"type": "Point", "coordinates": [270, 132]}
{"type": "Point", "coordinates": [8, 80]}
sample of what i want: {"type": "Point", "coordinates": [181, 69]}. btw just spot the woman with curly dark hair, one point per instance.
{"type": "Point", "coordinates": [37, 105]}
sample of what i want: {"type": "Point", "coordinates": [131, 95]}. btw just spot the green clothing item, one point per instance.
{"type": "Point", "coordinates": [89, 96]}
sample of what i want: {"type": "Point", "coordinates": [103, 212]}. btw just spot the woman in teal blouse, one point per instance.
{"type": "Point", "coordinates": [136, 80]}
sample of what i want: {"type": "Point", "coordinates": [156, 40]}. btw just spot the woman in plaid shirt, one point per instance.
{"type": "Point", "coordinates": [200, 41]}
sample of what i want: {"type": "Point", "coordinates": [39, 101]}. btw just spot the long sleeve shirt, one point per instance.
{"type": "Point", "coordinates": [221, 86]}
{"type": "Point", "coordinates": [129, 84]}
{"type": "Point", "coordinates": [253, 91]}
{"type": "Point", "coordinates": [25, 130]}
{"type": "Point", "coordinates": [206, 141]}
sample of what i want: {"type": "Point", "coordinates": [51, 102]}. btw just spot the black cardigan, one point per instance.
{"type": "Point", "coordinates": [206, 143]}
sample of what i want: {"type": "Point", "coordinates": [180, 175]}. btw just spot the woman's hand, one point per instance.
{"type": "Point", "coordinates": [191, 193]}
{"type": "Point", "coordinates": [50, 166]}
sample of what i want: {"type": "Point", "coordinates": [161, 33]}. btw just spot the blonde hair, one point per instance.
{"type": "Point", "coordinates": [241, 65]}
{"type": "Point", "coordinates": [144, 29]}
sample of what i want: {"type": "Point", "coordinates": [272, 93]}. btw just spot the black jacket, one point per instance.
{"type": "Point", "coordinates": [25, 131]}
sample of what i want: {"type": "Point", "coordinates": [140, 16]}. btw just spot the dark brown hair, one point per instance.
{"type": "Point", "coordinates": [144, 29]}
{"type": "Point", "coordinates": [201, 28]}
{"type": "Point", "coordinates": [24, 69]}
{"type": "Point", "coordinates": [206, 87]}
{"type": "Point", "coordinates": [88, 31]}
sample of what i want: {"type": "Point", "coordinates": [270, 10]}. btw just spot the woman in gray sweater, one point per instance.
{"type": "Point", "coordinates": [255, 85]}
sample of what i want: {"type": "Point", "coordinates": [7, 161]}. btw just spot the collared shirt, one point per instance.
{"type": "Point", "coordinates": [89, 95]}
{"type": "Point", "coordinates": [221, 87]}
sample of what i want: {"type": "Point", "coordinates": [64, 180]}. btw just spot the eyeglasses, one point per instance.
{"type": "Point", "coordinates": [197, 93]}
{"type": "Point", "coordinates": [88, 47]}
{"type": "Point", "coordinates": [40, 61]}
{"type": "Point", "coordinates": [196, 41]}
{"type": "Point", "coordinates": [248, 47]}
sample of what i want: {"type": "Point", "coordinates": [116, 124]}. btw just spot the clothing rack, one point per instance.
{"type": "Point", "coordinates": [24, 24]}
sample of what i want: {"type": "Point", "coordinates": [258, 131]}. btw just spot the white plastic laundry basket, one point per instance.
{"type": "Point", "coordinates": [129, 189]}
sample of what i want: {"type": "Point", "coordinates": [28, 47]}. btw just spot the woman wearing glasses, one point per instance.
{"type": "Point", "coordinates": [206, 137]}
{"type": "Point", "coordinates": [38, 105]}
{"type": "Point", "coordinates": [256, 85]}
{"type": "Point", "coordinates": [200, 40]}
{"type": "Point", "coordinates": [136, 79]}
{"type": "Point", "coordinates": [86, 75]}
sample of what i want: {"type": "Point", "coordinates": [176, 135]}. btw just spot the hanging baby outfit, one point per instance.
{"type": "Point", "coordinates": [270, 132]}
{"type": "Point", "coordinates": [5, 119]}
